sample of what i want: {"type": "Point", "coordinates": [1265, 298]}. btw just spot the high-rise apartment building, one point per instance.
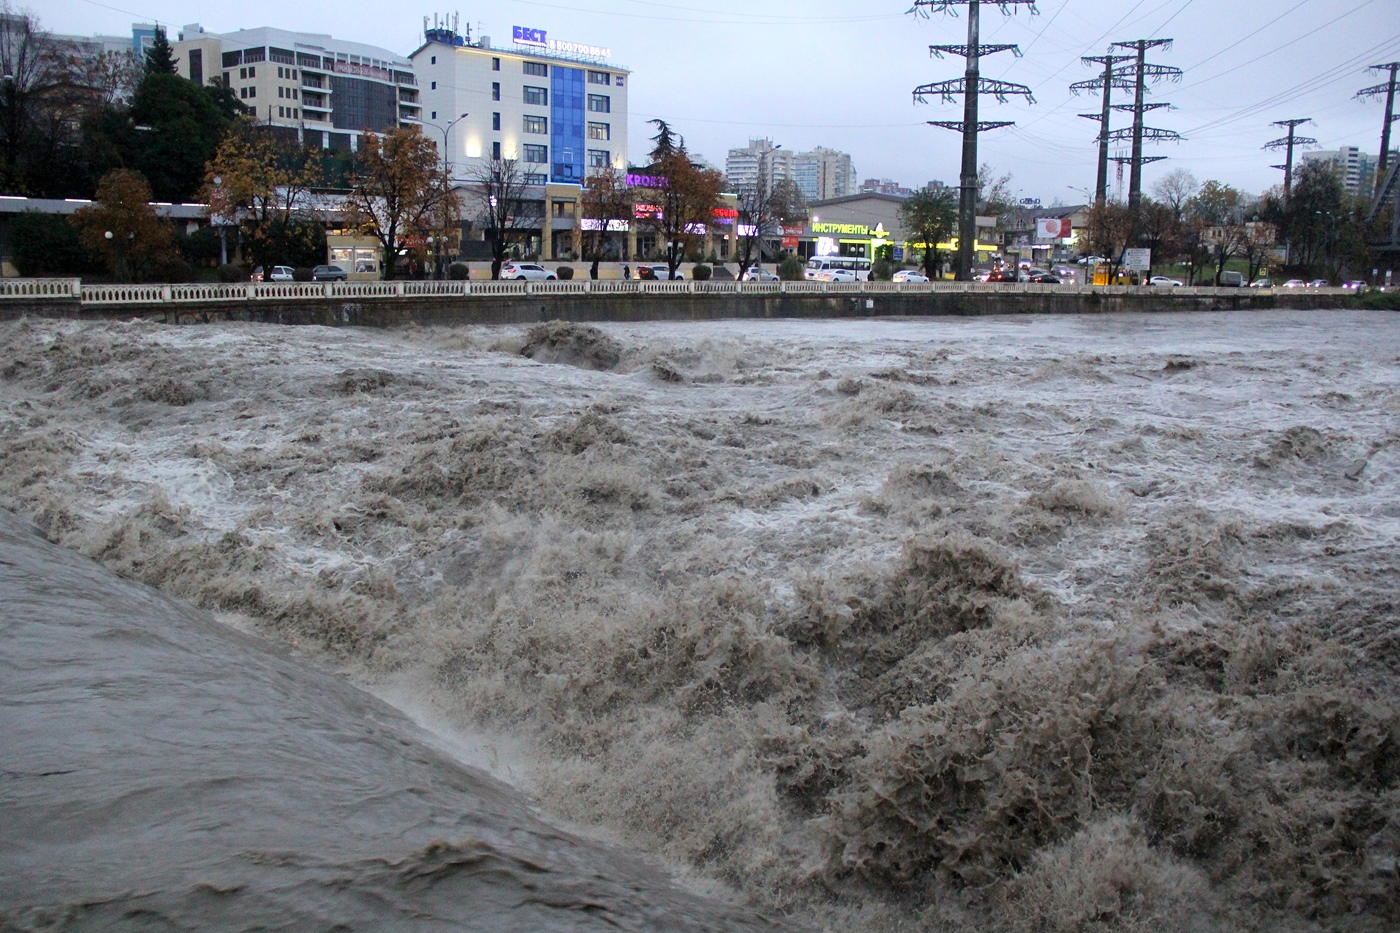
{"type": "Point", "coordinates": [324, 90]}
{"type": "Point", "coordinates": [558, 108]}
{"type": "Point", "coordinates": [884, 186]}
{"type": "Point", "coordinates": [742, 167]}
{"type": "Point", "coordinates": [822, 174]}
{"type": "Point", "coordinates": [1357, 169]}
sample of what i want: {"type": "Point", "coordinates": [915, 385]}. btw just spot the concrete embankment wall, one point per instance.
{"type": "Point", "coordinates": [600, 308]}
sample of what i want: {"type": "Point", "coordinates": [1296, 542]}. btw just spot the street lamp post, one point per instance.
{"type": "Point", "coordinates": [446, 171]}
{"type": "Point", "coordinates": [758, 218]}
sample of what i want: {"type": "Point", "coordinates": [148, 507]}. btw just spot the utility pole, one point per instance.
{"type": "Point", "coordinates": [1289, 142]}
{"type": "Point", "coordinates": [970, 86]}
{"type": "Point", "coordinates": [1141, 72]}
{"type": "Point", "coordinates": [1105, 84]}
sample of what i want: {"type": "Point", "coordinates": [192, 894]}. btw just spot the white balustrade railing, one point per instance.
{"type": "Point", "coordinates": [306, 291]}
{"type": "Point", "coordinates": [41, 288]}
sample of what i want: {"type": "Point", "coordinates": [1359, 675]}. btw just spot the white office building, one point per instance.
{"type": "Point", "coordinates": [559, 108]}
{"type": "Point", "coordinates": [325, 90]}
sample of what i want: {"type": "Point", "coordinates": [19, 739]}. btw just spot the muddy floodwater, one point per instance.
{"type": "Point", "coordinates": [1003, 624]}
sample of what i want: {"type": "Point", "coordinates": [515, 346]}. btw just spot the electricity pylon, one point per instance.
{"type": "Point", "coordinates": [1289, 142]}
{"type": "Point", "coordinates": [1141, 72]}
{"type": "Point", "coordinates": [971, 86]}
{"type": "Point", "coordinates": [1104, 85]}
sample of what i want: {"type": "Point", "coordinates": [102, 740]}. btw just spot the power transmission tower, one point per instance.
{"type": "Point", "coordinates": [1387, 182]}
{"type": "Point", "coordinates": [1105, 85]}
{"type": "Point", "coordinates": [971, 86]}
{"type": "Point", "coordinates": [1140, 73]}
{"type": "Point", "coordinates": [1289, 142]}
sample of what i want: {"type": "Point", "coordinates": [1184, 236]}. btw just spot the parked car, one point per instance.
{"type": "Point", "coordinates": [1262, 283]}
{"type": "Point", "coordinates": [1041, 277]}
{"type": "Point", "coordinates": [278, 274]}
{"type": "Point", "coordinates": [1295, 283]}
{"type": "Point", "coordinates": [527, 271]}
{"type": "Point", "coordinates": [1320, 283]}
{"type": "Point", "coordinates": [658, 271]}
{"type": "Point", "coordinates": [328, 274]}
{"type": "Point", "coordinates": [909, 275]}
{"type": "Point", "coordinates": [1162, 280]}
{"type": "Point", "coordinates": [1003, 275]}
{"type": "Point", "coordinates": [754, 274]}
{"type": "Point", "coordinates": [834, 275]}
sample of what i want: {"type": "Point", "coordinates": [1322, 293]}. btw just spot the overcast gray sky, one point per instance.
{"type": "Point", "coordinates": [840, 73]}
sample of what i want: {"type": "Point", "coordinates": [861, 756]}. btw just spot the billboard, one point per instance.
{"type": "Point", "coordinates": [1053, 228]}
{"type": "Point", "coordinates": [1137, 260]}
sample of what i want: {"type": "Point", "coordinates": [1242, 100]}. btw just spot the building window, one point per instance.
{"type": "Point", "coordinates": [532, 178]}
{"type": "Point", "coordinates": [599, 131]}
{"type": "Point", "coordinates": [496, 150]}
{"type": "Point", "coordinates": [538, 125]}
{"type": "Point", "coordinates": [599, 77]}
{"type": "Point", "coordinates": [296, 113]}
{"type": "Point", "coordinates": [197, 66]}
{"type": "Point", "coordinates": [281, 111]}
{"type": "Point", "coordinates": [537, 154]}
{"type": "Point", "coordinates": [279, 90]}
{"type": "Point", "coordinates": [243, 92]}
{"type": "Point", "coordinates": [243, 74]}
{"type": "Point", "coordinates": [495, 122]}
{"type": "Point", "coordinates": [496, 90]}
{"type": "Point", "coordinates": [434, 59]}
{"type": "Point", "coordinates": [539, 69]}
{"type": "Point", "coordinates": [434, 87]}
{"type": "Point", "coordinates": [434, 116]}
{"type": "Point", "coordinates": [294, 74]}
{"type": "Point", "coordinates": [599, 103]}
{"type": "Point", "coordinates": [279, 71]}
{"type": "Point", "coordinates": [538, 96]}
{"type": "Point", "coordinates": [296, 95]}
{"type": "Point", "coordinates": [252, 72]}
{"type": "Point", "coordinates": [495, 64]}
{"type": "Point", "coordinates": [597, 158]}
{"type": "Point", "coordinates": [252, 91]}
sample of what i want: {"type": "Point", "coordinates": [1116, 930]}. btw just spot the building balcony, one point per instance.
{"type": "Point", "coordinates": [321, 108]}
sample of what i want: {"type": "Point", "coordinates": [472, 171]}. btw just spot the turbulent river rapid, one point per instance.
{"type": "Point", "coordinates": [1005, 624]}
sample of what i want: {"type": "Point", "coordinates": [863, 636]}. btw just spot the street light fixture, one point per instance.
{"type": "Point", "coordinates": [446, 167]}
{"type": "Point", "coordinates": [762, 201]}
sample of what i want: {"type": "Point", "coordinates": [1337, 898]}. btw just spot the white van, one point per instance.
{"type": "Point", "coordinates": [821, 267]}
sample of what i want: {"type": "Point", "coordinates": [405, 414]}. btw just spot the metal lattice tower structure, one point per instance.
{"type": "Point", "coordinates": [970, 87]}
{"type": "Point", "coordinates": [1104, 85]}
{"type": "Point", "coordinates": [1387, 175]}
{"type": "Point", "coordinates": [1140, 72]}
{"type": "Point", "coordinates": [1289, 143]}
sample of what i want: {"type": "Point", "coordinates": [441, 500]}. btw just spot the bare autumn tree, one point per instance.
{"type": "Point", "coordinates": [265, 187]}
{"type": "Point", "coordinates": [605, 208]}
{"type": "Point", "coordinates": [502, 206]}
{"type": "Point", "coordinates": [1110, 231]}
{"type": "Point", "coordinates": [399, 189]}
{"type": "Point", "coordinates": [684, 194]}
{"type": "Point", "coordinates": [122, 227]}
{"type": "Point", "coordinates": [765, 212]}
{"type": "Point", "coordinates": [1175, 189]}
{"type": "Point", "coordinates": [1219, 209]}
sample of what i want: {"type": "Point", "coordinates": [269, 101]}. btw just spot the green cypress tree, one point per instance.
{"type": "Point", "coordinates": [159, 58]}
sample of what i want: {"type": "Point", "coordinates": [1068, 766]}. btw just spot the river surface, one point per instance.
{"type": "Point", "coordinates": [1024, 623]}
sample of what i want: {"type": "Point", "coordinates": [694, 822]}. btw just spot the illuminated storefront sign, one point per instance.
{"type": "Point", "coordinates": [539, 39]}
{"type": "Point", "coordinates": [842, 229]}
{"type": "Point", "coordinates": [647, 181]}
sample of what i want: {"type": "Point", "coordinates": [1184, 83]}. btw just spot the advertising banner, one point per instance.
{"type": "Point", "coordinates": [1053, 228]}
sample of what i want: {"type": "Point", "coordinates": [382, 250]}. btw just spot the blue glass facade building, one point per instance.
{"type": "Point", "coordinates": [567, 123]}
